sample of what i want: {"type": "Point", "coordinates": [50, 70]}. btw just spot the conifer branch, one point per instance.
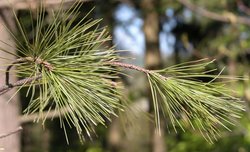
{"type": "Point", "coordinates": [137, 68]}
{"type": "Point", "coordinates": [130, 66]}
{"type": "Point", "coordinates": [66, 66]}
{"type": "Point", "coordinates": [21, 60]}
{"type": "Point", "coordinates": [6, 88]}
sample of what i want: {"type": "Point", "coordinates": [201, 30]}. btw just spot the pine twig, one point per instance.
{"type": "Point", "coordinates": [137, 68]}
{"type": "Point", "coordinates": [6, 88]}
{"type": "Point", "coordinates": [130, 66]}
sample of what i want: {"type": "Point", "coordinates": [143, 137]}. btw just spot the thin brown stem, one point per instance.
{"type": "Point", "coordinates": [131, 66]}
{"type": "Point", "coordinates": [37, 60]}
{"type": "Point", "coordinates": [7, 73]}
{"type": "Point", "coordinates": [9, 86]}
{"type": "Point", "coordinates": [137, 68]}
{"type": "Point", "coordinates": [6, 88]}
{"type": "Point", "coordinates": [11, 132]}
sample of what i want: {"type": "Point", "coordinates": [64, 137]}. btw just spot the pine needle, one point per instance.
{"type": "Point", "coordinates": [205, 106]}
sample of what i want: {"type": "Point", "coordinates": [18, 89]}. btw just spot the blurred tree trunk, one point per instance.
{"type": "Point", "coordinates": [151, 30]}
{"type": "Point", "coordinates": [153, 61]}
{"type": "Point", "coordinates": [9, 111]}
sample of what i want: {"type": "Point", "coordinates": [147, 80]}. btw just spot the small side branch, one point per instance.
{"type": "Point", "coordinates": [8, 86]}
{"type": "Point", "coordinates": [227, 17]}
{"type": "Point", "coordinates": [130, 66]}
{"type": "Point", "coordinates": [22, 82]}
{"type": "Point", "coordinates": [7, 73]}
{"type": "Point", "coordinates": [11, 132]}
{"type": "Point", "coordinates": [137, 68]}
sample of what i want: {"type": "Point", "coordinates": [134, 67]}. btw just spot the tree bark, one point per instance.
{"type": "Point", "coordinates": [9, 111]}
{"type": "Point", "coordinates": [151, 30]}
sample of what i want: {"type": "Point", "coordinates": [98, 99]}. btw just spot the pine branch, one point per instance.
{"type": "Point", "coordinates": [130, 66]}
{"type": "Point", "coordinates": [7, 73]}
{"type": "Point", "coordinates": [25, 81]}
{"type": "Point", "coordinates": [75, 72]}
{"type": "Point", "coordinates": [175, 92]}
{"type": "Point", "coordinates": [200, 105]}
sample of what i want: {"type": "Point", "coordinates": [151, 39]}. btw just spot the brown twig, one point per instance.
{"type": "Point", "coordinates": [36, 61]}
{"type": "Point", "coordinates": [130, 66]}
{"type": "Point", "coordinates": [6, 88]}
{"type": "Point", "coordinates": [56, 113]}
{"type": "Point", "coordinates": [226, 17]}
{"type": "Point", "coordinates": [7, 73]}
{"type": "Point", "coordinates": [9, 86]}
{"type": "Point", "coordinates": [11, 132]}
{"type": "Point", "coordinates": [137, 68]}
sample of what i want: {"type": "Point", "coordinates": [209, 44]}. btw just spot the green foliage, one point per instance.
{"type": "Point", "coordinates": [76, 81]}
{"type": "Point", "coordinates": [205, 106]}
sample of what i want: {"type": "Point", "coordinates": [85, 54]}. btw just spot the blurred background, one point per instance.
{"type": "Point", "coordinates": [157, 34]}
